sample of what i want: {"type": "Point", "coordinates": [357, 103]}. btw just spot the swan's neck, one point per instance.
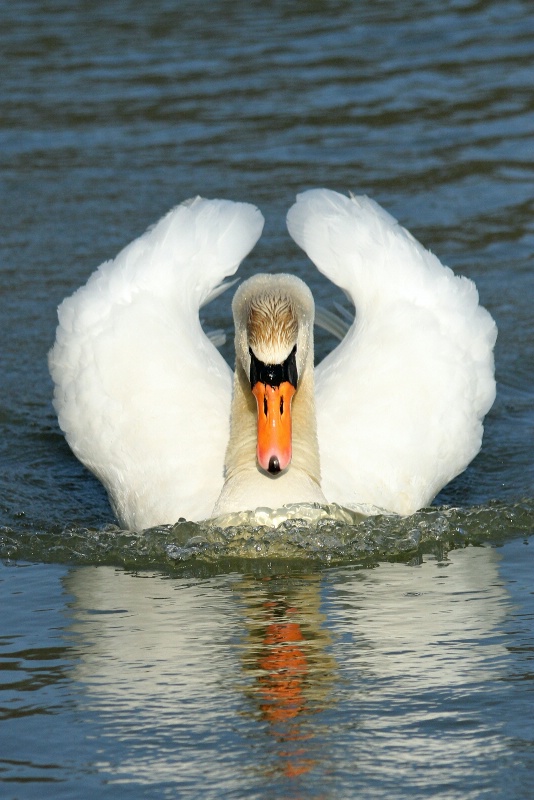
{"type": "Point", "coordinates": [305, 446]}
{"type": "Point", "coordinates": [246, 485]}
{"type": "Point", "coordinates": [241, 450]}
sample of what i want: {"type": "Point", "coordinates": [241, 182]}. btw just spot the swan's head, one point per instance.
{"type": "Point", "coordinates": [273, 317]}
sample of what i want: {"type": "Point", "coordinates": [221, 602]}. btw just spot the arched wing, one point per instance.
{"type": "Point", "coordinates": [142, 395]}
{"type": "Point", "coordinates": [400, 401]}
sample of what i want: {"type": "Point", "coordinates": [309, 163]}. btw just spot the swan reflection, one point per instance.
{"type": "Point", "coordinates": [287, 657]}
{"type": "Point", "coordinates": [224, 682]}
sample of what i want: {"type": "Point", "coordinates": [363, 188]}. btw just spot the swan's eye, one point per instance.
{"type": "Point", "coordinates": [290, 366]}
{"type": "Point", "coordinates": [273, 374]}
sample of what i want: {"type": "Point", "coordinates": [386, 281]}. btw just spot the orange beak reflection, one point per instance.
{"type": "Point", "coordinates": [274, 425]}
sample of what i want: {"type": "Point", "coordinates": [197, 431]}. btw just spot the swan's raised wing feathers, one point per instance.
{"type": "Point", "coordinates": [400, 401]}
{"type": "Point", "coordinates": [134, 372]}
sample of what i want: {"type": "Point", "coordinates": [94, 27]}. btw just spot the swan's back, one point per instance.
{"type": "Point", "coordinates": [400, 401]}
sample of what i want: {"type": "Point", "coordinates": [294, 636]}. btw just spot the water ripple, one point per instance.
{"type": "Point", "coordinates": [208, 548]}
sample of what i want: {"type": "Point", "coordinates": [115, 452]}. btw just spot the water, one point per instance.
{"type": "Point", "coordinates": [383, 658]}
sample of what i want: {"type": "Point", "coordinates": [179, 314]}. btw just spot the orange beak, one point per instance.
{"type": "Point", "coordinates": [274, 425]}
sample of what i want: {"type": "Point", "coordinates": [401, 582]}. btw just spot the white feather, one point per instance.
{"type": "Point", "coordinates": [400, 401]}
{"type": "Point", "coordinates": [141, 393]}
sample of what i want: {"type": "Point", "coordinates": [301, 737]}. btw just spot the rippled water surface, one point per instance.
{"type": "Point", "coordinates": [327, 659]}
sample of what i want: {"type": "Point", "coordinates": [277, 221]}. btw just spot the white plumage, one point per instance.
{"type": "Point", "coordinates": [144, 398]}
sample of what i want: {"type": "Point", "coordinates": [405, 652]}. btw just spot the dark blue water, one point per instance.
{"type": "Point", "coordinates": [390, 659]}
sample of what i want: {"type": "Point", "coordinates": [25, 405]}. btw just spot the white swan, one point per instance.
{"type": "Point", "coordinates": [145, 399]}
